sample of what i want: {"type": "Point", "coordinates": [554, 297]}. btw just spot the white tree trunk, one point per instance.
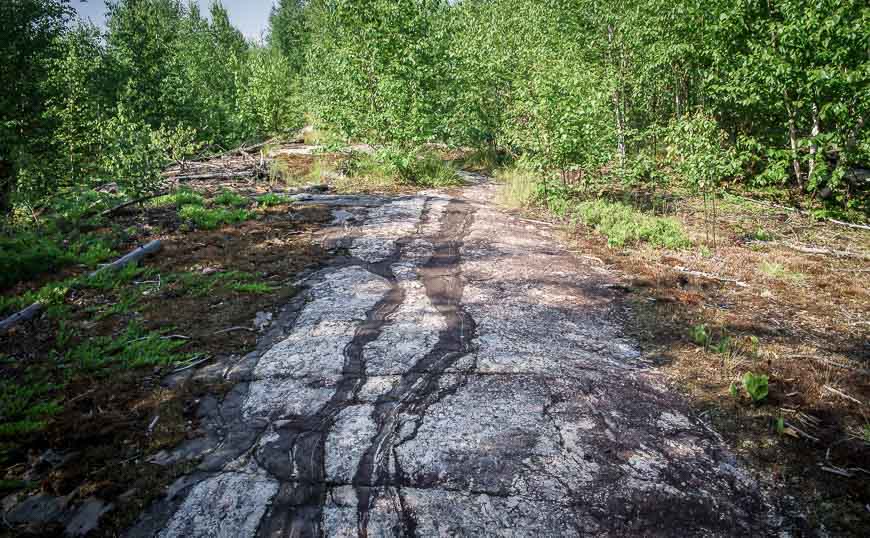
{"type": "Point", "coordinates": [813, 146]}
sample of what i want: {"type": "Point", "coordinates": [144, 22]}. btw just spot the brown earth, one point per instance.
{"type": "Point", "coordinates": [113, 420]}
{"type": "Point", "coordinates": [810, 314]}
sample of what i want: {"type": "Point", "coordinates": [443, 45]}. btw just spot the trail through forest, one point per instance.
{"type": "Point", "coordinates": [454, 370]}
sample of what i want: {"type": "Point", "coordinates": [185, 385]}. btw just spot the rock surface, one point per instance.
{"type": "Point", "coordinates": [454, 373]}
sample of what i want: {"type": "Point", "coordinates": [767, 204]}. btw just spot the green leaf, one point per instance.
{"type": "Point", "coordinates": [756, 386]}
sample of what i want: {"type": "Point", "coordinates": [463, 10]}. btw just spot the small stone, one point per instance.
{"type": "Point", "coordinates": [263, 320]}
{"type": "Point", "coordinates": [209, 271]}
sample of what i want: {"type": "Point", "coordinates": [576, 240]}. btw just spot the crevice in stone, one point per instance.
{"type": "Point", "coordinates": [416, 391]}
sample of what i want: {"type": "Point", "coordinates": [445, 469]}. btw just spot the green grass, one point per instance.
{"type": "Point", "coordinates": [253, 288]}
{"type": "Point", "coordinates": [199, 285]}
{"type": "Point", "coordinates": [231, 199]}
{"type": "Point", "coordinates": [24, 407]}
{"type": "Point", "coordinates": [11, 486]}
{"type": "Point", "coordinates": [270, 200]}
{"type": "Point", "coordinates": [762, 235]}
{"type": "Point", "coordinates": [133, 348]}
{"type": "Point", "coordinates": [390, 167]}
{"type": "Point", "coordinates": [779, 272]}
{"type": "Point", "coordinates": [27, 251]}
{"type": "Point", "coordinates": [52, 294]}
{"type": "Point", "coordinates": [209, 219]}
{"type": "Point", "coordinates": [624, 225]}
{"type": "Point", "coordinates": [486, 159]}
{"type": "Point", "coordinates": [184, 197]}
{"type": "Point", "coordinates": [111, 280]}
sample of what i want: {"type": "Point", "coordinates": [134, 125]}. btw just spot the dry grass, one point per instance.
{"type": "Point", "coordinates": [810, 316]}
{"type": "Point", "coordinates": [518, 187]}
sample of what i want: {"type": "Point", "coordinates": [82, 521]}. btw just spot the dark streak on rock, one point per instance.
{"type": "Point", "coordinates": [298, 508]}
{"type": "Point", "coordinates": [420, 387]}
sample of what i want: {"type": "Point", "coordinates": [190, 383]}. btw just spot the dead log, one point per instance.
{"type": "Point", "coordinates": [711, 276]}
{"type": "Point", "coordinates": [799, 211]}
{"type": "Point", "coordinates": [236, 151]}
{"type": "Point", "coordinates": [33, 310]}
{"type": "Point", "coordinates": [25, 315]}
{"type": "Point", "coordinates": [132, 257]}
{"type": "Point", "coordinates": [112, 211]}
{"type": "Point", "coordinates": [825, 251]}
{"type": "Point", "coordinates": [221, 175]}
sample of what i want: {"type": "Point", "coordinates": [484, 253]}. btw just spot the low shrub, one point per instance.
{"type": "Point", "coordinates": [623, 225]}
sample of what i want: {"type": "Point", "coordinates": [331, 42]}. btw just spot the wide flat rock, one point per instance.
{"type": "Point", "coordinates": [456, 372]}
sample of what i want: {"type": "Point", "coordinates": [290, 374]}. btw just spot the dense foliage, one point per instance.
{"type": "Point", "coordinates": [618, 88]}
{"type": "Point", "coordinates": [742, 93]}
{"type": "Point", "coordinates": [89, 107]}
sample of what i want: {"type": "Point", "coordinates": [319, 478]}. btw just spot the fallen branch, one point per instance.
{"type": "Point", "coordinates": [712, 276]}
{"type": "Point", "coordinates": [33, 310]}
{"type": "Point", "coordinates": [836, 471]}
{"type": "Point", "coordinates": [132, 257]}
{"type": "Point", "coordinates": [533, 221]}
{"type": "Point", "coordinates": [826, 251]}
{"type": "Point", "coordinates": [236, 151]}
{"type": "Point", "coordinates": [191, 365]}
{"type": "Point", "coordinates": [25, 315]}
{"type": "Point", "coordinates": [842, 394]}
{"type": "Point", "coordinates": [800, 211]}
{"type": "Point", "coordinates": [235, 329]}
{"type": "Point", "coordinates": [832, 363]}
{"type": "Point", "coordinates": [800, 431]}
{"type": "Point", "coordinates": [112, 211]}
{"type": "Point", "coordinates": [849, 224]}
{"type": "Point", "coordinates": [228, 175]}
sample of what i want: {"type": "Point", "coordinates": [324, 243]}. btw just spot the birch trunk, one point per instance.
{"type": "Point", "coordinates": [617, 101]}
{"type": "Point", "coordinates": [813, 146]}
{"type": "Point", "coordinates": [792, 136]}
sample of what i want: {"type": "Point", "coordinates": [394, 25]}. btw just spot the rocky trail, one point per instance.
{"type": "Point", "coordinates": [455, 371]}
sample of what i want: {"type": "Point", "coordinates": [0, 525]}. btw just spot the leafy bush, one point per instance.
{"type": "Point", "coordinates": [700, 152]}
{"type": "Point", "coordinates": [230, 199]}
{"type": "Point", "coordinates": [132, 155]}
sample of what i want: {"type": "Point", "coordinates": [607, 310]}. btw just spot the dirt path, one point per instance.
{"type": "Point", "coordinates": [455, 372]}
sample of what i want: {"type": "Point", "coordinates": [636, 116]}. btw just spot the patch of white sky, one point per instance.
{"type": "Point", "coordinates": [251, 17]}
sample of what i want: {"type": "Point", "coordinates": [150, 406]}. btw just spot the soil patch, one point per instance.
{"type": "Point", "coordinates": [779, 295]}
{"type": "Point", "coordinates": [206, 296]}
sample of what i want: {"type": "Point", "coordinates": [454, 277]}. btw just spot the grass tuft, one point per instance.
{"type": "Point", "coordinates": [270, 200]}
{"type": "Point", "coordinates": [133, 348]}
{"type": "Point", "coordinates": [390, 167]}
{"type": "Point", "coordinates": [519, 187]}
{"type": "Point", "coordinates": [230, 199]}
{"type": "Point", "coordinates": [210, 219]}
{"type": "Point", "coordinates": [779, 272]}
{"type": "Point", "coordinates": [623, 225]}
